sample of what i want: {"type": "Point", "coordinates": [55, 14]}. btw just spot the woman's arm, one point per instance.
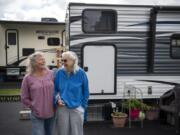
{"type": "Point", "coordinates": [56, 88]}
{"type": "Point", "coordinates": [57, 97]}
{"type": "Point", "coordinates": [25, 94]}
{"type": "Point", "coordinates": [85, 91]}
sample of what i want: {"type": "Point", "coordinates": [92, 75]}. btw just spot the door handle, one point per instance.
{"type": "Point", "coordinates": [86, 69]}
{"type": "Point", "coordinates": [7, 47]}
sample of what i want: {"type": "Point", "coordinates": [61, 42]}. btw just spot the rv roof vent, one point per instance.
{"type": "Point", "coordinates": [49, 19]}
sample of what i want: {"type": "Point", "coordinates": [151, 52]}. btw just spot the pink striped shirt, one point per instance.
{"type": "Point", "coordinates": [37, 94]}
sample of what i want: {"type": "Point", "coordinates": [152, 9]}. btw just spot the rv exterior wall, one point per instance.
{"type": "Point", "coordinates": [28, 39]}
{"type": "Point", "coordinates": [131, 39]}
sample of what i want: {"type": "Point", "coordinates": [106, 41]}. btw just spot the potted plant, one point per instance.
{"type": "Point", "coordinates": [137, 108]}
{"type": "Point", "coordinates": [152, 113]}
{"type": "Point", "coordinates": [119, 119]}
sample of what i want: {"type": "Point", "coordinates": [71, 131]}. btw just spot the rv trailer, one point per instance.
{"type": "Point", "coordinates": [123, 45]}
{"type": "Point", "coordinates": [19, 39]}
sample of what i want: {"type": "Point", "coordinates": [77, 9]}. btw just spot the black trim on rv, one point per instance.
{"type": "Point", "coordinates": [151, 40]}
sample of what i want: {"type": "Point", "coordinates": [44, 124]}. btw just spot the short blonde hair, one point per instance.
{"type": "Point", "coordinates": [31, 62]}
{"type": "Point", "coordinates": [73, 56]}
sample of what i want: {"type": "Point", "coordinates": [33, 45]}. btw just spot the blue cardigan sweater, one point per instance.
{"type": "Point", "coordinates": [73, 89]}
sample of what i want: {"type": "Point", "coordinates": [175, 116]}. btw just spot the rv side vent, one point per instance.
{"type": "Point", "coordinates": [27, 51]}
{"type": "Point", "coordinates": [49, 20]}
{"type": "Point", "coordinates": [41, 37]}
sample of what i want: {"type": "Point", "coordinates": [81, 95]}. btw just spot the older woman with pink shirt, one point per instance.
{"type": "Point", "coordinates": [37, 94]}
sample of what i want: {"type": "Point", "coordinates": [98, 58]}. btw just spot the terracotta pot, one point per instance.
{"type": "Point", "coordinates": [135, 113]}
{"type": "Point", "coordinates": [119, 121]}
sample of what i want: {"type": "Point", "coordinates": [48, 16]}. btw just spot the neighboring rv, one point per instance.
{"type": "Point", "coordinates": [123, 45]}
{"type": "Point", "coordinates": [19, 39]}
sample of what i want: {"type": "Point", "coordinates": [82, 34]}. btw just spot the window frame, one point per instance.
{"type": "Point", "coordinates": [53, 38]}
{"type": "Point", "coordinates": [16, 34]}
{"type": "Point", "coordinates": [176, 37]}
{"type": "Point", "coordinates": [99, 32]}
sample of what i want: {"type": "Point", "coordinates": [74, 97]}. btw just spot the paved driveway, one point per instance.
{"type": "Point", "coordinates": [9, 120]}
{"type": "Point", "coordinates": [11, 125]}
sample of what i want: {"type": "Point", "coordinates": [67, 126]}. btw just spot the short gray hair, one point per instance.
{"type": "Point", "coordinates": [74, 57]}
{"type": "Point", "coordinates": [31, 62]}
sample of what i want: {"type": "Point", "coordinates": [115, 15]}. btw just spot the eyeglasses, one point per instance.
{"type": "Point", "coordinates": [64, 60]}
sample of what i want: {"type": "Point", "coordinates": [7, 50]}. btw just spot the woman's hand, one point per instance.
{"type": "Point", "coordinates": [60, 103]}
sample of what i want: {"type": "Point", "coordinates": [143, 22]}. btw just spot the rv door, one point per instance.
{"type": "Point", "coordinates": [99, 64]}
{"type": "Point", "coordinates": [11, 47]}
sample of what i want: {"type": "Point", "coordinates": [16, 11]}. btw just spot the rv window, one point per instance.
{"type": "Point", "coordinates": [11, 38]}
{"type": "Point", "coordinates": [53, 41]}
{"type": "Point", "coordinates": [97, 21]}
{"type": "Point", "coordinates": [175, 47]}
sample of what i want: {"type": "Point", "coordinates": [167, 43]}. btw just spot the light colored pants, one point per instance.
{"type": "Point", "coordinates": [69, 121]}
{"type": "Point", "coordinates": [42, 126]}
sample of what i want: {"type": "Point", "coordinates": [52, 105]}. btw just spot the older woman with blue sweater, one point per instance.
{"type": "Point", "coordinates": [71, 96]}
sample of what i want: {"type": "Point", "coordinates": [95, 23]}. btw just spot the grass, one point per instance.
{"type": "Point", "coordinates": [9, 91]}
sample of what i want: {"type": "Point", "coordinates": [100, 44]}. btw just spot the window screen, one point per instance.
{"type": "Point", "coordinates": [11, 38]}
{"type": "Point", "coordinates": [53, 41]}
{"type": "Point", "coordinates": [175, 46]}
{"type": "Point", "coordinates": [97, 21]}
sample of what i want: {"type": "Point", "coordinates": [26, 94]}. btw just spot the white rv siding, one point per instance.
{"type": "Point", "coordinates": [157, 88]}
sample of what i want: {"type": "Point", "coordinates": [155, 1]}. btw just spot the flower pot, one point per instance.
{"type": "Point", "coordinates": [152, 114]}
{"type": "Point", "coordinates": [135, 113]}
{"type": "Point", "coordinates": [141, 115]}
{"type": "Point", "coordinates": [119, 121]}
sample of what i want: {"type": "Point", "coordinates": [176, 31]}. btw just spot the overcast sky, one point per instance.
{"type": "Point", "coordinates": [33, 10]}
